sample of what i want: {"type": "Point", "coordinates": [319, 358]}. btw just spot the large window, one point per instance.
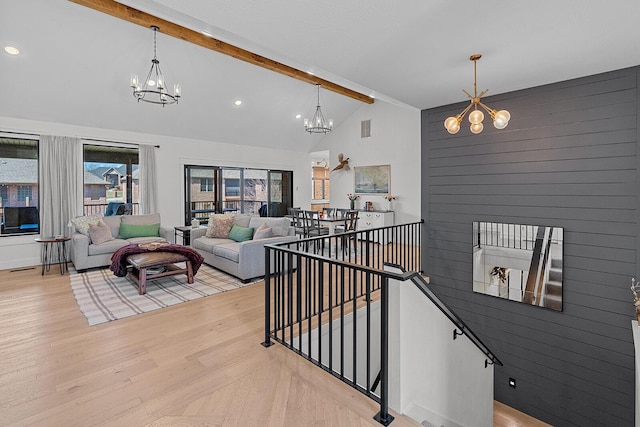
{"type": "Point", "coordinates": [320, 180]}
{"type": "Point", "coordinates": [19, 186]}
{"type": "Point", "coordinates": [253, 191]}
{"type": "Point", "coordinates": [110, 180]}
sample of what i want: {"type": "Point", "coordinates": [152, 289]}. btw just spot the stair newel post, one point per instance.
{"type": "Point", "coordinates": [383, 417]}
{"type": "Point", "coordinates": [267, 298]}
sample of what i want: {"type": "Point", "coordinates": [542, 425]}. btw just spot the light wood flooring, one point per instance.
{"type": "Point", "coordinates": [199, 363]}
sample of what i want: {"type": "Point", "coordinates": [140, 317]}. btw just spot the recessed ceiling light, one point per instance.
{"type": "Point", "coordinates": [11, 50]}
{"type": "Point", "coordinates": [298, 116]}
{"type": "Point", "coordinates": [238, 102]}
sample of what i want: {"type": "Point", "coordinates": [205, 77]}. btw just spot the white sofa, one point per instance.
{"type": "Point", "coordinates": [245, 260]}
{"type": "Point", "coordinates": [85, 254]}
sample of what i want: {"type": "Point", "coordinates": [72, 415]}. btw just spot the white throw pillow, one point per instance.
{"type": "Point", "coordinates": [263, 232]}
{"type": "Point", "coordinates": [82, 223]}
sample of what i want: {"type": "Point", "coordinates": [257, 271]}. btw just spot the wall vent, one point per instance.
{"type": "Point", "coordinates": [365, 129]}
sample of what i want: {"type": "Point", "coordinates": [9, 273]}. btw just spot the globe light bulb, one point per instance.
{"type": "Point", "coordinates": [450, 123]}
{"type": "Point", "coordinates": [476, 128]}
{"type": "Point", "coordinates": [503, 116]}
{"type": "Point", "coordinates": [454, 129]}
{"type": "Point", "coordinates": [500, 125]}
{"type": "Point", "coordinates": [476, 116]}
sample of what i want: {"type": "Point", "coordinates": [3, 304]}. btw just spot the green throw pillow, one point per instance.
{"type": "Point", "coordinates": [128, 231]}
{"type": "Point", "coordinates": [240, 234]}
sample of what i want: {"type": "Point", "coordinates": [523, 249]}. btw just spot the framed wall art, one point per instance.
{"type": "Point", "coordinates": [372, 179]}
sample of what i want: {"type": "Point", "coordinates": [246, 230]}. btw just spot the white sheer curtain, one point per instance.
{"type": "Point", "coordinates": [148, 180]}
{"type": "Point", "coordinates": [61, 179]}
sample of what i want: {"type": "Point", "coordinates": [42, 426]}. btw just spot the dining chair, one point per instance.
{"type": "Point", "coordinates": [297, 221]}
{"type": "Point", "coordinates": [350, 224]}
{"type": "Point", "coordinates": [313, 227]}
{"type": "Point", "coordinates": [328, 212]}
{"type": "Point", "coordinates": [341, 213]}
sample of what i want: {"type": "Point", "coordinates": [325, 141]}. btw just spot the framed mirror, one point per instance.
{"type": "Point", "coordinates": [519, 262]}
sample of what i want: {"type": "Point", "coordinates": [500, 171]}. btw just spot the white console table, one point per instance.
{"type": "Point", "coordinates": [375, 219]}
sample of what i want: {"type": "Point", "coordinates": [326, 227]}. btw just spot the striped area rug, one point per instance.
{"type": "Point", "coordinates": [103, 297]}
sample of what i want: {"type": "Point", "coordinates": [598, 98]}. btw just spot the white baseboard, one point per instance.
{"type": "Point", "coordinates": [428, 418]}
{"type": "Point", "coordinates": [19, 264]}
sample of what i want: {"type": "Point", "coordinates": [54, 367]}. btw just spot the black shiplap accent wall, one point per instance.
{"type": "Point", "coordinates": [568, 158]}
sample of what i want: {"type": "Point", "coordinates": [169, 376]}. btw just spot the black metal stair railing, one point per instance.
{"type": "Point", "coordinates": [326, 297]}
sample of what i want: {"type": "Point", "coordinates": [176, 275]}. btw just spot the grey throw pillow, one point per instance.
{"type": "Point", "coordinates": [100, 233]}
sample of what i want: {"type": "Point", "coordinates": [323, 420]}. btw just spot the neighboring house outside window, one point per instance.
{"type": "Point", "coordinates": [18, 186]}
{"type": "Point", "coordinates": [110, 175]}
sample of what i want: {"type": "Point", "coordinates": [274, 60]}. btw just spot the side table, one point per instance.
{"type": "Point", "coordinates": [184, 232]}
{"type": "Point", "coordinates": [51, 245]}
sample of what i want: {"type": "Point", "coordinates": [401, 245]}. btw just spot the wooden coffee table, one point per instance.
{"type": "Point", "coordinates": [153, 260]}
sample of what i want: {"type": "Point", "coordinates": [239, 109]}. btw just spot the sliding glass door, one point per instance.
{"type": "Point", "coordinates": [280, 192]}
{"type": "Point", "coordinates": [200, 191]}
{"type": "Point", "coordinates": [213, 189]}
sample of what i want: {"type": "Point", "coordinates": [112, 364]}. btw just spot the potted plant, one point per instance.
{"type": "Point", "coordinates": [500, 273]}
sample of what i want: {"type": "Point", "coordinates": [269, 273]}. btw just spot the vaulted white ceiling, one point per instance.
{"type": "Point", "coordinates": [75, 62]}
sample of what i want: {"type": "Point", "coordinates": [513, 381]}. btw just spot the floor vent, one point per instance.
{"type": "Point", "coordinates": [365, 129]}
{"type": "Point", "coordinates": [21, 269]}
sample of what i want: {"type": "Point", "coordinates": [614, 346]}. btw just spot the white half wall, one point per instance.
{"type": "Point", "coordinates": [173, 154]}
{"type": "Point", "coordinates": [434, 377]}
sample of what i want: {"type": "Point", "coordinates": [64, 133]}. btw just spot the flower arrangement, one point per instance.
{"type": "Point", "coordinates": [389, 197]}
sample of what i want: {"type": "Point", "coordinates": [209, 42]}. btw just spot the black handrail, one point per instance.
{"type": "Point", "coordinates": [422, 284]}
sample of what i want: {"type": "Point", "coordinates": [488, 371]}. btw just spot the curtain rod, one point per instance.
{"type": "Point", "coordinates": [19, 133]}
{"type": "Point", "coordinates": [115, 142]}
{"type": "Point", "coordinates": [81, 137]}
